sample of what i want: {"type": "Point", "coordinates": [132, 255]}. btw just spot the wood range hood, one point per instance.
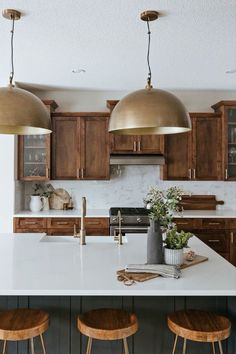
{"type": "Point", "coordinates": [116, 159]}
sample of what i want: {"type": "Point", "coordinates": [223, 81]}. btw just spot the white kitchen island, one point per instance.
{"type": "Point", "coordinates": [66, 279]}
{"type": "Point", "coordinates": [35, 264]}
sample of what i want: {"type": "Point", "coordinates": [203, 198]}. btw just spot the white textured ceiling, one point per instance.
{"type": "Point", "coordinates": [193, 43]}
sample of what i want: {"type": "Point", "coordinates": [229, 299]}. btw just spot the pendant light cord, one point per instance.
{"type": "Point", "coordinates": [149, 79]}
{"type": "Point", "coordinates": [12, 51]}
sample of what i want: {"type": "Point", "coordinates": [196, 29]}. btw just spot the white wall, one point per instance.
{"type": "Point", "coordinates": [78, 100]}
{"type": "Point", "coordinates": [7, 183]}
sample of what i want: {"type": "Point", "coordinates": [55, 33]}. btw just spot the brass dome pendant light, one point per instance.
{"type": "Point", "coordinates": [21, 112]}
{"type": "Point", "coordinates": [149, 111]}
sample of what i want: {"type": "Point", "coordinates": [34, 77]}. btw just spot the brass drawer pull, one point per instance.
{"type": "Point", "coordinates": [182, 223]}
{"type": "Point", "coordinates": [214, 223]}
{"type": "Point", "coordinates": [214, 241]}
{"type": "Point", "coordinates": [135, 146]}
{"type": "Point", "coordinates": [30, 222]}
{"type": "Point", "coordinates": [189, 173]}
{"type": "Point", "coordinates": [232, 237]}
{"type": "Point", "coordinates": [93, 223]}
{"type": "Point", "coordinates": [139, 145]}
{"type": "Point", "coordinates": [62, 223]}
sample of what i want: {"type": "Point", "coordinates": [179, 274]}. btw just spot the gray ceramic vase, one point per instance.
{"type": "Point", "coordinates": [154, 243]}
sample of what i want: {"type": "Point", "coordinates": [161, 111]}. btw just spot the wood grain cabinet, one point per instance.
{"type": "Point", "coordinates": [228, 111]}
{"type": "Point", "coordinates": [62, 226]}
{"type": "Point", "coordinates": [196, 155]}
{"type": "Point", "coordinates": [217, 233]}
{"type": "Point", "coordinates": [80, 146]}
{"type": "Point", "coordinates": [34, 154]}
{"type": "Point", "coordinates": [134, 144]}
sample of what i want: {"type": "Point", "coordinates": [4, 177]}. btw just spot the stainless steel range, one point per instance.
{"type": "Point", "coordinates": [133, 220]}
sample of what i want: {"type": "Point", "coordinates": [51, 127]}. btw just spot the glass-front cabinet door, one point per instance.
{"type": "Point", "coordinates": [227, 109]}
{"type": "Point", "coordinates": [230, 153]}
{"type": "Point", "coordinates": [34, 157]}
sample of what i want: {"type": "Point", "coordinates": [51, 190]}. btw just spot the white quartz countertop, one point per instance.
{"type": "Point", "coordinates": [30, 266]}
{"type": "Point", "coordinates": [220, 213]}
{"type": "Point", "coordinates": [75, 213]}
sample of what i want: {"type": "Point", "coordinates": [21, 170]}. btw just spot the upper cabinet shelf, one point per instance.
{"type": "Point", "coordinates": [80, 146]}
{"type": "Point", "coordinates": [228, 111]}
{"type": "Point", "coordinates": [34, 154]}
{"type": "Point", "coordinates": [196, 155]}
{"type": "Point", "coordinates": [134, 144]}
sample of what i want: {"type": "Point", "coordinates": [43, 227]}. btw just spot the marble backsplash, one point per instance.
{"type": "Point", "coordinates": [129, 188]}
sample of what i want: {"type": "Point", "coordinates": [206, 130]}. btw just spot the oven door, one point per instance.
{"type": "Point", "coordinates": [114, 230]}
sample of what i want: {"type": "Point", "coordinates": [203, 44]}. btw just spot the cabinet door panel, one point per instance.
{"type": "Point", "coordinates": [151, 144]}
{"type": "Point", "coordinates": [232, 235]}
{"type": "Point", "coordinates": [217, 240]}
{"type": "Point", "coordinates": [65, 148]}
{"type": "Point", "coordinates": [178, 157]}
{"type": "Point", "coordinates": [123, 143]}
{"type": "Point", "coordinates": [94, 148]}
{"type": "Point", "coordinates": [207, 148]}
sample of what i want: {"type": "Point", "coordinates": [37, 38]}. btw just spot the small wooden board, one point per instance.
{"type": "Point", "coordinates": [199, 202]}
{"type": "Point", "coordinates": [141, 277]}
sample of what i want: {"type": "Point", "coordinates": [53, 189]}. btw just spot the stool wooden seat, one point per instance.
{"type": "Point", "coordinates": [199, 326]}
{"type": "Point", "coordinates": [21, 324]}
{"type": "Point", "coordinates": [107, 324]}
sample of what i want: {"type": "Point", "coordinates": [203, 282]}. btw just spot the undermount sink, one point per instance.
{"type": "Point", "coordinates": [89, 239]}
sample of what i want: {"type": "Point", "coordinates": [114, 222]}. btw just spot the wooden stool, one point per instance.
{"type": "Point", "coordinates": [23, 324]}
{"type": "Point", "coordinates": [199, 326]}
{"type": "Point", "coordinates": [107, 324]}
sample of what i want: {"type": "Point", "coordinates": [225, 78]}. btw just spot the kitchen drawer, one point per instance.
{"type": "Point", "coordinates": [70, 232]}
{"type": "Point", "coordinates": [231, 224]}
{"type": "Point", "coordinates": [62, 223]}
{"type": "Point", "coordinates": [218, 241]}
{"type": "Point", "coordinates": [36, 224]}
{"type": "Point", "coordinates": [97, 232]}
{"type": "Point", "coordinates": [187, 223]}
{"type": "Point", "coordinates": [96, 223]}
{"type": "Point", "coordinates": [214, 223]}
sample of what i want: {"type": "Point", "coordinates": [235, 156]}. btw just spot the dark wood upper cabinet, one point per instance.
{"type": "Point", "coordinates": [151, 144]}
{"type": "Point", "coordinates": [65, 148]}
{"type": "Point", "coordinates": [196, 155]}
{"type": "Point", "coordinates": [207, 148]}
{"type": "Point", "coordinates": [178, 157]}
{"type": "Point", "coordinates": [95, 153]}
{"type": "Point", "coordinates": [228, 111]}
{"type": "Point", "coordinates": [134, 144]}
{"type": "Point", "coordinates": [80, 146]}
{"type": "Point", "coordinates": [121, 144]}
{"type": "Point", "coordinates": [34, 153]}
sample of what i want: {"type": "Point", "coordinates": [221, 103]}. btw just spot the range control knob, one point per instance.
{"type": "Point", "coordinates": [139, 220]}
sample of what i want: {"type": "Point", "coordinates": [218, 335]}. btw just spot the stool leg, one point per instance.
{"type": "Point", "coordinates": [4, 347]}
{"type": "Point", "coordinates": [175, 343]}
{"type": "Point", "coordinates": [184, 347]}
{"type": "Point", "coordinates": [220, 347]}
{"type": "Point", "coordinates": [213, 348]}
{"type": "Point", "coordinates": [43, 345]}
{"type": "Point", "coordinates": [32, 345]}
{"type": "Point", "coordinates": [89, 346]}
{"type": "Point", "coordinates": [126, 346]}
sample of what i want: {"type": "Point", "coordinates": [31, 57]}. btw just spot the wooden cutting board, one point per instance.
{"type": "Point", "coordinates": [199, 202]}
{"type": "Point", "coordinates": [141, 277]}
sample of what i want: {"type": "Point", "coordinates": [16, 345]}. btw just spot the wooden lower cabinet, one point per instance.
{"type": "Point", "coordinates": [217, 233]}
{"type": "Point", "coordinates": [61, 226]}
{"type": "Point", "coordinates": [232, 235]}
{"type": "Point", "coordinates": [218, 240]}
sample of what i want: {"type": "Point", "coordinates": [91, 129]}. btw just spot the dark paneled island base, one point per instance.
{"type": "Point", "coordinates": [153, 336]}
